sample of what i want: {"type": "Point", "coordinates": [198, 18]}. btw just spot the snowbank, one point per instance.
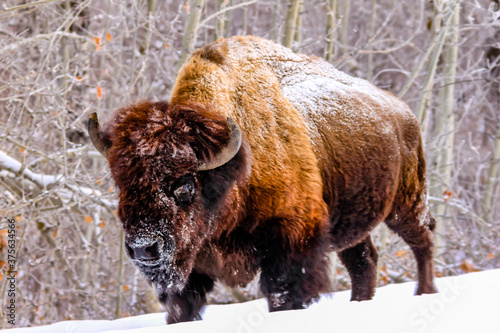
{"type": "Point", "coordinates": [464, 303]}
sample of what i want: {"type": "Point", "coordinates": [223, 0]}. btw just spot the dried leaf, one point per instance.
{"type": "Point", "coordinates": [97, 41]}
{"type": "Point", "coordinates": [55, 233]}
{"type": "Point", "coordinates": [401, 253]}
{"type": "Point", "coordinates": [125, 287]}
{"type": "Point", "coordinates": [186, 8]}
{"type": "Point", "coordinates": [99, 182]}
{"type": "Point", "coordinates": [109, 37]}
{"type": "Point", "coordinates": [490, 256]}
{"type": "Point", "coordinates": [102, 224]}
{"type": "Point", "coordinates": [466, 266]}
{"type": "Point", "coordinates": [111, 189]}
{"type": "Point", "coordinates": [21, 149]}
{"type": "Point", "coordinates": [18, 218]}
{"type": "Point", "coordinates": [99, 91]}
{"type": "Point", "coordinates": [88, 219]}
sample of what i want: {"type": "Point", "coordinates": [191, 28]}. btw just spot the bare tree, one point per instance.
{"type": "Point", "coordinates": [60, 60]}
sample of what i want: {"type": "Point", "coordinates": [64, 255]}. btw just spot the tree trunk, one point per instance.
{"type": "Point", "coordinates": [331, 36]}
{"type": "Point", "coordinates": [298, 28]}
{"type": "Point", "coordinates": [219, 25]}
{"type": "Point", "coordinates": [491, 182]}
{"type": "Point", "coordinates": [291, 23]}
{"type": "Point", "coordinates": [426, 94]}
{"type": "Point", "coordinates": [344, 23]}
{"type": "Point", "coordinates": [190, 32]}
{"type": "Point", "coordinates": [371, 34]}
{"type": "Point", "coordinates": [445, 127]}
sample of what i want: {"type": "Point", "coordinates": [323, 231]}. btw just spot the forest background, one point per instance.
{"type": "Point", "coordinates": [60, 60]}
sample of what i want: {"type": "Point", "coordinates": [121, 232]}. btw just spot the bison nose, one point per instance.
{"type": "Point", "coordinates": [148, 252]}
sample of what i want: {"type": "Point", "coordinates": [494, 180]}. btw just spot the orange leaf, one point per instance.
{"type": "Point", "coordinates": [384, 278]}
{"type": "Point", "coordinates": [88, 219]}
{"type": "Point", "coordinates": [108, 37]}
{"type": "Point", "coordinates": [125, 287]}
{"type": "Point", "coordinates": [78, 78]}
{"type": "Point", "coordinates": [490, 256]}
{"type": "Point", "coordinates": [18, 218]}
{"type": "Point", "coordinates": [466, 266]}
{"type": "Point", "coordinates": [99, 91]}
{"type": "Point", "coordinates": [21, 149]}
{"type": "Point", "coordinates": [102, 224]}
{"type": "Point", "coordinates": [186, 7]}
{"type": "Point", "coordinates": [97, 41]}
{"type": "Point", "coordinates": [55, 233]}
{"type": "Point", "coordinates": [110, 190]}
{"type": "Point", "coordinates": [115, 212]}
{"type": "Point", "coordinates": [401, 253]}
{"type": "Point", "coordinates": [1, 276]}
{"type": "Point", "coordinates": [99, 182]}
{"type": "Point", "coordinates": [447, 194]}
{"type": "Point", "coordinates": [167, 46]}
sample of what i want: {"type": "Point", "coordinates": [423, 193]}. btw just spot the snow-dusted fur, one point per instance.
{"type": "Point", "coordinates": [325, 158]}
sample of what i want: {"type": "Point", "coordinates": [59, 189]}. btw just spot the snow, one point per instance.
{"type": "Point", "coordinates": [464, 303]}
{"type": "Point", "coordinates": [13, 165]}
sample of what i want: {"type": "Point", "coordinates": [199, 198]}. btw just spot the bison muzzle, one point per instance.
{"type": "Point", "coordinates": [264, 161]}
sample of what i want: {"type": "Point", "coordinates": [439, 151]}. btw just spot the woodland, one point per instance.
{"type": "Point", "coordinates": [61, 60]}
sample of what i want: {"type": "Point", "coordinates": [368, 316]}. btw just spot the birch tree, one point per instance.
{"type": "Point", "coordinates": [291, 23]}
{"type": "Point", "coordinates": [445, 125]}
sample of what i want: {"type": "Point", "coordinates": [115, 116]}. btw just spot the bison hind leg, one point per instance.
{"type": "Point", "coordinates": [418, 234]}
{"type": "Point", "coordinates": [361, 263]}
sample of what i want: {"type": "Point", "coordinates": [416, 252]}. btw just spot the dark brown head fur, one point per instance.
{"type": "Point", "coordinates": [155, 149]}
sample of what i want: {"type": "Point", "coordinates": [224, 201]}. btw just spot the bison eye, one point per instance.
{"type": "Point", "coordinates": [183, 190]}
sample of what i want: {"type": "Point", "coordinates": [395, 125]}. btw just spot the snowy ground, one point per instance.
{"type": "Point", "coordinates": [467, 303]}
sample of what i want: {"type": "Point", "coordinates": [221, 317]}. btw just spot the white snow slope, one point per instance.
{"type": "Point", "coordinates": [466, 303]}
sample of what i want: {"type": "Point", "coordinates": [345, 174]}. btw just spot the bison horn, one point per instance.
{"type": "Point", "coordinates": [96, 135]}
{"type": "Point", "coordinates": [229, 151]}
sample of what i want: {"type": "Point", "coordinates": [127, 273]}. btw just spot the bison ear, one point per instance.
{"type": "Point", "coordinates": [100, 141]}
{"type": "Point", "coordinates": [228, 151]}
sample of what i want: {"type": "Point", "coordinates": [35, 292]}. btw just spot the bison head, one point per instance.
{"type": "Point", "coordinates": [174, 166]}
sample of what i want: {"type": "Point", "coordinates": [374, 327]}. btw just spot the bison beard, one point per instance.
{"type": "Point", "coordinates": [264, 161]}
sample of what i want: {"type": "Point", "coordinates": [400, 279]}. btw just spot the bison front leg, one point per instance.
{"type": "Point", "coordinates": [361, 263]}
{"type": "Point", "coordinates": [186, 305]}
{"type": "Point", "coordinates": [293, 278]}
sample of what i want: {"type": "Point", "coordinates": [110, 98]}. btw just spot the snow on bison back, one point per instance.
{"type": "Point", "coordinates": [265, 160]}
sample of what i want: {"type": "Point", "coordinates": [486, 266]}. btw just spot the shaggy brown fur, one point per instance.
{"type": "Point", "coordinates": [325, 158]}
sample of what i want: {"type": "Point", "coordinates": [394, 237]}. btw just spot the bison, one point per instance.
{"type": "Point", "coordinates": [265, 160]}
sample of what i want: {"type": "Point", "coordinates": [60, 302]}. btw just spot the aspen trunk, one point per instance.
{"type": "Point", "coordinates": [331, 17]}
{"type": "Point", "coordinates": [371, 33]}
{"type": "Point", "coordinates": [489, 196]}
{"type": "Point", "coordinates": [219, 25]}
{"type": "Point", "coordinates": [445, 127]}
{"type": "Point", "coordinates": [426, 94]}
{"type": "Point", "coordinates": [298, 28]}
{"type": "Point", "coordinates": [190, 32]}
{"type": "Point", "coordinates": [344, 25]}
{"type": "Point", "coordinates": [119, 291]}
{"type": "Point", "coordinates": [291, 23]}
